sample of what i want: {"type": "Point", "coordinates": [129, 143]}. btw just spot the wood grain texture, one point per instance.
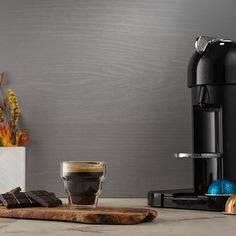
{"type": "Point", "coordinates": [100, 215]}
{"type": "Point", "coordinates": [106, 80]}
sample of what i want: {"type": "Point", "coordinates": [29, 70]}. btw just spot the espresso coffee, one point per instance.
{"type": "Point", "coordinates": [83, 181]}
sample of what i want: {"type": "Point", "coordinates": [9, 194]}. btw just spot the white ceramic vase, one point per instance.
{"type": "Point", "coordinates": [12, 168]}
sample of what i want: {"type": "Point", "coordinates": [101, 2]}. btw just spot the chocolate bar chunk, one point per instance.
{"type": "Point", "coordinates": [15, 190]}
{"type": "Point", "coordinates": [46, 199]}
{"type": "Point", "coordinates": [17, 200]}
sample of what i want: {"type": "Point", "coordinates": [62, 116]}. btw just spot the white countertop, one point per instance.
{"type": "Point", "coordinates": [169, 222]}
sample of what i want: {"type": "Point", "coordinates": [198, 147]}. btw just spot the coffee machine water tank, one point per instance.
{"type": "Point", "coordinates": [212, 79]}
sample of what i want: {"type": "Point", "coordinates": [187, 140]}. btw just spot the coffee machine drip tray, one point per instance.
{"type": "Point", "coordinates": [198, 155]}
{"type": "Point", "coordinates": [186, 199]}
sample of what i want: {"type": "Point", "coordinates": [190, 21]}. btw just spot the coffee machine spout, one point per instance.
{"type": "Point", "coordinates": [203, 97]}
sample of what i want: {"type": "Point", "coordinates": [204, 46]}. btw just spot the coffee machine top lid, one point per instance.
{"type": "Point", "coordinates": [214, 62]}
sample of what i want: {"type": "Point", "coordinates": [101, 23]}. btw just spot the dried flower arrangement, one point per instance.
{"type": "Point", "coordinates": [10, 134]}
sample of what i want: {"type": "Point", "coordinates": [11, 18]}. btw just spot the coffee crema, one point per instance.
{"type": "Point", "coordinates": [77, 167]}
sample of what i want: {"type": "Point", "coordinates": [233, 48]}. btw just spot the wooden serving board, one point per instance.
{"type": "Point", "coordinates": [100, 215]}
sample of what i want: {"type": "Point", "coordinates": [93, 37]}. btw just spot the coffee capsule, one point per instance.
{"type": "Point", "coordinates": [230, 206]}
{"type": "Point", "coordinates": [222, 187]}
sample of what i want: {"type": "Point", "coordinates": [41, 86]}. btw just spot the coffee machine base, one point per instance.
{"type": "Point", "coordinates": [186, 199]}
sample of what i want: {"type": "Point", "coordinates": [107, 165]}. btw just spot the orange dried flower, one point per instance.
{"type": "Point", "coordinates": [21, 137]}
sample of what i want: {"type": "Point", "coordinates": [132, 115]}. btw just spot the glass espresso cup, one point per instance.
{"type": "Point", "coordinates": [83, 182]}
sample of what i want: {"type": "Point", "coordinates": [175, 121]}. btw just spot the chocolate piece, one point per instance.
{"type": "Point", "coordinates": [15, 190]}
{"type": "Point", "coordinates": [46, 199]}
{"type": "Point", "coordinates": [17, 200]}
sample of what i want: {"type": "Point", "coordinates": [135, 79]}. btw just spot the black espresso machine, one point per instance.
{"type": "Point", "coordinates": [212, 79]}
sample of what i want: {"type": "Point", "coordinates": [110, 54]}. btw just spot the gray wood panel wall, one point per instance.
{"type": "Point", "coordinates": [106, 80]}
